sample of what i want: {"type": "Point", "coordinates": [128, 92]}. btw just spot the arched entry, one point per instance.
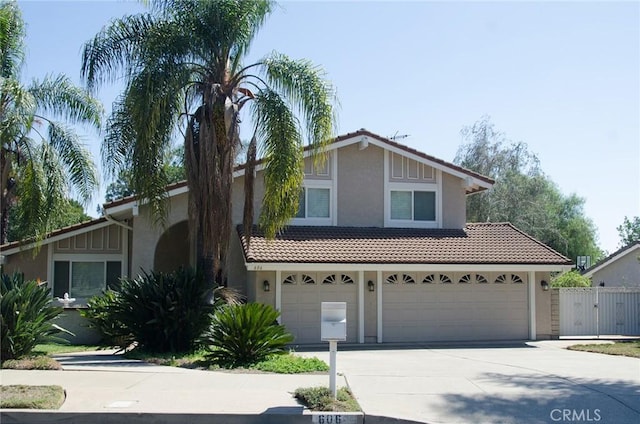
{"type": "Point", "coordinates": [173, 248]}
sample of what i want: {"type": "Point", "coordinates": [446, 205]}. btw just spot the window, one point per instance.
{"type": "Point", "coordinates": [413, 205]}
{"type": "Point", "coordinates": [84, 279]}
{"type": "Point", "coordinates": [314, 202]}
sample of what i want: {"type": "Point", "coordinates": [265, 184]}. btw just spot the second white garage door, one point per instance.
{"type": "Point", "coordinates": [302, 294]}
{"type": "Point", "coordinates": [454, 307]}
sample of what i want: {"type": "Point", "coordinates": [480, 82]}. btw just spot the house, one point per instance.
{"type": "Point", "coordinates": [381, 226]}
{"type": "Point", "coordinates": [620, 269]}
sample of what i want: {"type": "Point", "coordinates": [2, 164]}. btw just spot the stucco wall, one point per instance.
{"type": "Point", "coordinates": [361, 186]}
{"type": "Point", "coordinates": [453, 202]}
{"type": "Point", "coordinates": [147, 234]}
{"type": "Point", "coordinates": [624, 272]}
{"type": "Point", "coordinates": [543, 307]}
{"type": "Point", "coordinates": [33, 268]}
{"type": "Point", "coordinates": [72, 321]}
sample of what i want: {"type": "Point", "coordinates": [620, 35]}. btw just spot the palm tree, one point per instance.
{"type": "Point", "coordinates": [182, 63]}
{"type": "Point", "coordinates": [42, 157]}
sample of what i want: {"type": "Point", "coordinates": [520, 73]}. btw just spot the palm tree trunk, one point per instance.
{"type": "Point", "coordinates": [209, 154]}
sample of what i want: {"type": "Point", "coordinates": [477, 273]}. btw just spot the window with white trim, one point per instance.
{"type": "Point", "coordinates": [84, 279]}
{"type": "Point", "coordinates": [314, 203]}
{"type": "Point", "coordinates": [413, 205]}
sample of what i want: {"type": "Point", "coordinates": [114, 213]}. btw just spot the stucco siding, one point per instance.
{"type": "Point", "coordinates": [453, 202]}
{"type": "Point", "coordinates": [361, 186]}
{"type": "Point", "coordinates": [147, 234]}
{"type": "Point", "coordinates": [623, 272]}
{"type": "Point", "coordinates": [543, 307]}
{"type": "Point", "coordinates": [237, 198]}
{"type": "Point", "coordinates": [32, 267]}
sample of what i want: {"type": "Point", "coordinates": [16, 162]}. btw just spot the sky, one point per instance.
{"type": "Point", "coordinates": [562, 77]}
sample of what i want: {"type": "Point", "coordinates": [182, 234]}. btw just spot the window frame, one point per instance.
{"type": "Point", "coordinates": [85, 258]}
{"type": "Point", "coordinates": [323, 185]}
{"type": "Point", "coordinates": [413, 188]}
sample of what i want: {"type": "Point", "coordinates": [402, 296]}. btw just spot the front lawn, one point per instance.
{"type": "Point", "coordinates": [31, 397]}
{"type": "Point", "coordinates": [622, 348]}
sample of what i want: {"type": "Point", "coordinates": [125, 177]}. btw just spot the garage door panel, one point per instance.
{"type": "Point", "coordinates": [456, 311]}
{"type": "Point", "coordinates": [301, 309]}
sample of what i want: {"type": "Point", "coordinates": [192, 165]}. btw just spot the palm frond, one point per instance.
{"type": "Point", "coordinates": [74, 157]}
{"type": "Point", "coordinates": [12, 33]}
{"type": "Point", "coordinates": [58, 97]}
{"type": "Point", "coordinates": [311, 94]}
{"type": "Point", "coordinates": [281, 146]}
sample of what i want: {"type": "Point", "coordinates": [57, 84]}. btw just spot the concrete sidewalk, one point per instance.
{"type": "Point", "coordinates": [99, 382]}
{"type": "Point", "coordinates": [511, 382]}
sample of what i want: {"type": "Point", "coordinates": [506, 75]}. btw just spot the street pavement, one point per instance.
{"type": "Point", "coordinates": [532, 382]}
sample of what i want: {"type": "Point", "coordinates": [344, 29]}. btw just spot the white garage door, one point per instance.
{"type": "Point", "coordinates": [302, 295]}
{"type": "Point", "coordinates": [455, 307]}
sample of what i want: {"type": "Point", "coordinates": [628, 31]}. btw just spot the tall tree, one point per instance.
{"type": "Point", "coordinates": [629, 230]}
{"type": "Point", "coordinates": [43, 157]}
{"type": "Point", "coordinates": [523, 194]}
{"type": "Point", "coordinates": [182, 63]}
{"type": "Point", "coordinates": [72, 212]}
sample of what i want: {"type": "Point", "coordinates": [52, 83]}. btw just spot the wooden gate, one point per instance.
{"type": "Point", "coordinates": [595, 311]}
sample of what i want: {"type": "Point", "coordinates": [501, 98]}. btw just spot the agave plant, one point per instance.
{"type": "Point", "coordinates": [27, 315]}
{"type": "Point", "coordinates": [244, 334]}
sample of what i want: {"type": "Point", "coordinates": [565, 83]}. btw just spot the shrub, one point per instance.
{"type": "Point", "coordinates": [161, 312]}
{"type": "Point", "coordinates": [571, 279]}
{"type": "Point", "coordinates": [26, 315]}
{"type": "Point", "coordinates": [241, 335]}
{"type": "Point", "coordinates": [100, 315]}
{"type": "Point", "coordinates": [320, 399]}
{"type": "Point", "coordinates": [291, 364]}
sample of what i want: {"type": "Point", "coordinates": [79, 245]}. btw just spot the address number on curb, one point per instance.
{"type": "Point", "coordinates": [333, 419]}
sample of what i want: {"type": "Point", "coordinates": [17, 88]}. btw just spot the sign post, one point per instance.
{"type": "Point", "coordinates": [333, 328]}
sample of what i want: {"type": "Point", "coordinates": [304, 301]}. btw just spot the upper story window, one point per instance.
{"type": "Point", "coordinates": [314, 203]}
{"type": "Point", "coordinates": [413, 205]}
{"type": "Point", "coordinates": [413, 193]}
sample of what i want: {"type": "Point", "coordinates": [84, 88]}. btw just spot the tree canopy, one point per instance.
{"type": "Point", "coordinates": [43, 157]}
{"type": "Point", "coordinates": [183, 66]}
{"type": "Point", "coordinates": [523, 194]}
{"type": "Point", "coordinates": [629, 231]}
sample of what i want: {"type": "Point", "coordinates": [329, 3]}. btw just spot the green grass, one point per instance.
{"type": "Point", "coordinates": [320, 399]}
{"type": "Point", "coordinates": [31, 397]}
{"type": "Point", "coordinates": [55, 348]}
{"type": "Point", "coordinates": [278, 364]}
{"type": "Point", "coordinates": [623, 348]}
{"type": "Point", "coordinates": [291, 364]}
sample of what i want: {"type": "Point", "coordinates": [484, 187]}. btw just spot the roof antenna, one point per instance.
{"type": "Point", "coordinates": [397, 136]}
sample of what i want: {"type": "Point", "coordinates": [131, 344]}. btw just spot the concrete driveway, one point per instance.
{"type": "Point", "coordinates": [533, 382]}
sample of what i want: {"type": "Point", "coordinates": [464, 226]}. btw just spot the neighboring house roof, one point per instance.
{"type": "Point", "coordinates": [486, 243]}
{"type": "Point", "coordinates": [181, 186]}
{"type": "Point", "coordinates": [15, 246]}
{"type": "Point", "coordinates": [612, 258]}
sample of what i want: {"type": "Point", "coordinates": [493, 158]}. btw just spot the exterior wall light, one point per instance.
{"type": "Point", "coordinates": [544, 285]}
{"type": "Point", "coordinates": [266, 286]}
{"type": "Point", "coordinates": [371, 286]}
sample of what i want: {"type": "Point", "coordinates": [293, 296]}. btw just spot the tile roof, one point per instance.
{"type": "Point", "coordinates": [611, 258]}
{"type": "Point", "coordinates": [486, 243]}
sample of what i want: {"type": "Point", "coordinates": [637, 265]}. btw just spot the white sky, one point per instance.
{"type": "Point", "coordinates": [562, 77]}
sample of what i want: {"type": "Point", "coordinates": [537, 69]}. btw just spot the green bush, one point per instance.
{"type": "Point", "coordinates": [26, 316]}
{"type": "Point", "coordinates": [571, 279]}
{"type": "Point", "coordinates": [100, 315]}
{"type": "Point", "coordinates": [291, 364]}
{"type": "Point", "coordinates": [242, 335]}
{"type": "Point", "coordinates": [320, 399]}
{"type": "Point", "coordinates": [160, 312]}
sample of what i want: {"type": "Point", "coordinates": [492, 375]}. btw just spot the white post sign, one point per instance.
{"type": "Point", "coordinates": [333, 328]}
